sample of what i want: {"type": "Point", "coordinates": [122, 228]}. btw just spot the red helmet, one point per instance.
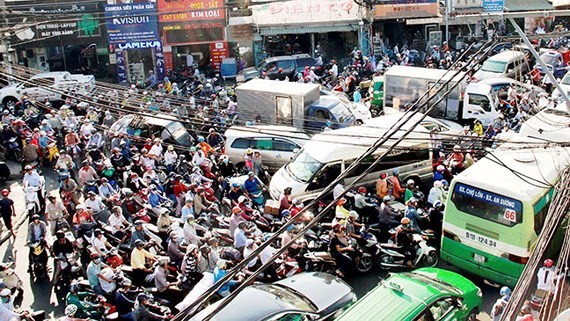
{"type": "Point", "coordinates": [548, 263]}
{"type": "Point", "coordinates": [5, 192]}
{"type": "Point", "coordinates": [280, 70]}
{"type": "Point", "coordinates": [362, 189]}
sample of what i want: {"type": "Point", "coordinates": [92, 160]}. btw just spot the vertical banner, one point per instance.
{"type": "Point", "coordinates": [168, 59]}
{"type": "Point", "coordinates": [121, 68]}
{"type": "Point", "coordinates": [218, 51]}
{"type": "Point", "coordinates": [159, 61]}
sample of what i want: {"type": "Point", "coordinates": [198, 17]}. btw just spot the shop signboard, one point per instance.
{"type": "Point", "coordinates": [218, 51]}
{"type": "Point", "coordinates": [131, 23]}
{"type": "Point", "coordinates": [303, 11]}
{"type": "Point", "coordinates": [406, 9]}
{"type": "Point", "coordinates": [54, 22]}
{"type": "Point", "coordinates": [178, 33]}
{"type": "Point", "coordinates": [190, 10]}
{"type": "Point", "coordinates": [493, 5]}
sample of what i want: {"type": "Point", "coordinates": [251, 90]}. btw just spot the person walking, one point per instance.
{"type": "Point", "coordinates": [8, 211]}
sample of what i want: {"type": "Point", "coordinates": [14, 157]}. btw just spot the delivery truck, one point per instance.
{"type": "Point", "coordinates": [291, 104]}
{"type": "Point", "coordinates": [404, 85]}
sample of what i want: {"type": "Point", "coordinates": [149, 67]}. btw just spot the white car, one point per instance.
{"type": "Point", "coordinates": [38, 87]}
{"type": "Point", "coordinates": [276, 144]}
{"type": "Point", "coordinates": [361, 111]}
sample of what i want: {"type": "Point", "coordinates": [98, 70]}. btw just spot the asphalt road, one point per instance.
{"type": "Point", "coordinates": [38, 295]}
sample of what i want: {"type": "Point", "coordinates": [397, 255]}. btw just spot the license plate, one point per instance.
{"type": "Point", "coordinates": [479, 258]}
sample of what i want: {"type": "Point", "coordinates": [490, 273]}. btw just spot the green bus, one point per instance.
{"type": "Point", "coordinates": [496, 209]}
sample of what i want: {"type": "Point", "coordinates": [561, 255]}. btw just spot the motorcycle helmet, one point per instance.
{"type": "Point", "coordinates": [505, 291]}
{"type": "Point", "coordinates": [127, 282]}
{"type": "Point", "coordinates": [362, 189]}
{"type": "Point", "coordinates": [405, 221]}
{"type": "Point", "coordinates": [59, 234]}
{"type": "Point", "coordinates": [236, 210]}
{"type": "Point", "coordinates": [386, 199]}
{"type": "Point", "coordinates": [296, 202]}
{"type": "Point", "coordinates": [548, 263]}
{"type": "Point", "coordinates": [35, 217]}
{"type": "Point", "coordinates": [235, 184]}
{"type": "Point", "coordinates": [200, 139]}
{"type": "Point", "coordinates": [285, 213]}
{"type": "Point", "coordinates": [353, 214]}
{"type": "Point", "coordinates": [5, 192]}
{"type": "Point", "coordinates": [139, 243]}
{"type": "Point", "coordinates": [242, 199]}
{"type": "Point", "coordinates": [410, 182]}
{"type": "Point", "coordinates": [437, 204]}
{"type": "Point", "coordinates": [70, 310]}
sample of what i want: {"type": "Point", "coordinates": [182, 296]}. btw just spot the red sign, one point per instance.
{"type": "Point", "coordinates": [218, 51]}
{"type": "Point", "coordinates": [168, 63]}
{"type": "Point", "coordinates": [190, 10]}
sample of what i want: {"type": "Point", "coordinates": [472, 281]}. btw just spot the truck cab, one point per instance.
{"type": "Point", "coordinates": [328, 108]}
{"type": "Point", "coordinates": [480, 102]}
{"type": "Point", "coordinates": [377, 91]}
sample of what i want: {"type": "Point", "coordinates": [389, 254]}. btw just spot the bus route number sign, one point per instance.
{"type": "Point", "coordinates": [510, 215]}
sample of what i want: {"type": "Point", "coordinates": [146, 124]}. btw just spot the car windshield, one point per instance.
{"type": "Point", "coordinates": [494, 66]}
{"type": "Point", "coordinates": [289, 297]}
{"type": "Point", "coordinates": [341, 113]}
{"type": "Point", "coordinates": [179, 133]}
{"type": "Point", "coordinates": [433, 281]}
{"type": "Point", "coordinates": [566, 80]}
{"type": "Point", "coordinates": [303, 166]}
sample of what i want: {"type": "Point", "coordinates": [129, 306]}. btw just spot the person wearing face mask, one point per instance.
{"type": "Point", "coordinates": [405, 238]}
{"type": "Point", "coordinates": [191, 231]}
{"type": "Point", "coordinates": [94, 273]}
{"type": "Point", "coordinates": [7, 311]}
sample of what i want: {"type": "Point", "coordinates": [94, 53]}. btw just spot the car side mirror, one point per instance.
{"type": "Point", "coordinates": [296, 150]}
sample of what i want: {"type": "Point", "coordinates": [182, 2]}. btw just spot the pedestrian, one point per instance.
{"type": "Point", "coordinates": [8, 211]}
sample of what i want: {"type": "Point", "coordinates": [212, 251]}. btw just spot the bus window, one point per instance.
{"type": "Point", "coordinates": [486, 205]}
{"type": "Point", "coordinates": [541, 210]}
{"type": "Point", "coordinates": [480, 100]}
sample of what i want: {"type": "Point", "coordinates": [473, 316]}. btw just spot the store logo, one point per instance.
{"type": "Point", "coordinates": [139, 45]}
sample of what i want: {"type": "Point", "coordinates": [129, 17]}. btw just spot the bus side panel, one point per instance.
{"type": "Point", "coordinates": [463, 257]}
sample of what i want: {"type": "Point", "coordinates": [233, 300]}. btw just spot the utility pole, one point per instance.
{"type": "Point", "coordinates": [542, 64]}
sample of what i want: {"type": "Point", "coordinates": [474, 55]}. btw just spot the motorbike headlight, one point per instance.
{"type": "Point", "coordinates": [479, 292]}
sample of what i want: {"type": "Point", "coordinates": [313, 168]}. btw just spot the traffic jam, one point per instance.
{"type": "Point", "coordinates": [195, 197]}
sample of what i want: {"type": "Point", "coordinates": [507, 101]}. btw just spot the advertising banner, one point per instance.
{"type": "Point", "coordinates": [218, 51]}
{"type": "Point", "coordinates": [190, 10]}
{"type": "Point", "coordinates": [493, 5]}
{"type": "Point", "coordinates": [417, 9]}
{"type": "Point", "coordinates": [131, 23]}
{"type": "Point", "coordinates": [303, 11]}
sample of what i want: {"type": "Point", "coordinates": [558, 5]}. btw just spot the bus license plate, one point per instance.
{"type": "Point", "coordinates": [479, 258]}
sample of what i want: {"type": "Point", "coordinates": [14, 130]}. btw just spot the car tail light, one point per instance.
{"type": "Point", "coordinates": [518, 259]}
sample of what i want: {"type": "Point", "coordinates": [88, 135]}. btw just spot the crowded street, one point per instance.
{"type": "Point", "coordinates": [328, 160]}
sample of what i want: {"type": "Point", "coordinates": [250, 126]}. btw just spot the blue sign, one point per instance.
{"type": "Point", "coordinates": [488, 197]}
{"type": "Point", "coordinates": [493, 5]}
{"type": "Point", "coordinates": [132, 23]}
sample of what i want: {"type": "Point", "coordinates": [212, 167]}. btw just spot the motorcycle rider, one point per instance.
{"type": "Point", "coordinates": [405, 238]}
{"type": "Point", "coordinates": [142, 311]}
{"type": "Point", "coordinates": [123, 303]}
{"type": "Point", "coordinates": [30, 153]}
{"type": "Point", "coordinates": [342, 252]}
{"type": "Point", "coordinates": [175, 250]}
{"type": "Point", "coordinates": [118, 223]}
{"type": "Point", "coordinates": [253, 186]}
{"type": "Point", "coordinates": [37, 232]}
{"type": "Point", "coordinates": [35, 180]}
{"type": "Point", "coordinates": [94, 273]}
{"type": "Point", "coordinates": [413, 214]}
{"type": "Point", "coordinates": [60, 248]}
{"type": "Point", "coordinates": [130, 205]}
{"type": "Point", "coordinates": [365, 209]}
{"type": "Point", "coordinates": [352, 226]}
{"type": "Point", "coordinates": [7, 307]}
{"type": "Point", "coordinates": [68, 185]}
{"type": "Point", "coordinates": [139, 258]}
{"type": "Point", "coordinates": [501, 303]}
{"type": "Point", "coordinates": [86, 309]}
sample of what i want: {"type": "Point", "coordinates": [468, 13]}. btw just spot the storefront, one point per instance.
{"type": "Point", "coordinates": [61, 44]}
{"type": "Point", "coordinates": [193, 32]}
{"type": "Point", "coordinates": [132, 30]}
{"type": "Point", "coordinates": [303, 26]}
{"type": "Point", "coordinates": [416, 23]}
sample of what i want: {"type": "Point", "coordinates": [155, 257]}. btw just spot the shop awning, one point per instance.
{"type": "Point", "coordinates": [307, 29]}
{"type": "Point", "coordinates": [527, 5]}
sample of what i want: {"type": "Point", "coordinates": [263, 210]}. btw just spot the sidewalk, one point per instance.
{"type": "Point", "coordinates": [18, 196]}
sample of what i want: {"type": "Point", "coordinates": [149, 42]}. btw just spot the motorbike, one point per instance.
{"type": "Point", "coordinates": [70, 269]}
{"type": "Point", "coordinates": [39, 260]}
{"type": "Point", "coordinates": [392, 255]}
{"type": "Point", "coordinates": [32, 201]}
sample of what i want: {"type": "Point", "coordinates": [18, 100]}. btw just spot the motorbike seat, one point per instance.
{"type": "Point", "coordinates": [126, 268]}
{"type": "Point", "coordinates": [390, 245]}
{"type": "Point", "coordinates": [324, 255]}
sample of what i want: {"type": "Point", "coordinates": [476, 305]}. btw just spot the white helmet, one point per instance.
{"type": "Point", "coordinates": [353, 214]}
{"type": "Point", "coordinates": [70, 310]}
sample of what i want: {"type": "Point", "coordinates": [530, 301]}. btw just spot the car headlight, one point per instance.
{"type": "Point", "coordinates": [479, 292]}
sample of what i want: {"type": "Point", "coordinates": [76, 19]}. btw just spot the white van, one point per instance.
{"type": "Point", "coordinates": [330, 153]}
{"type": "Point", "coordinates": [276, 144]}
{"type": "Point", "coordinates": [509, 63]}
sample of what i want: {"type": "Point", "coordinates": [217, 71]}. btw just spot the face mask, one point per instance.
{"type": "Point", "coordinates": [5, 299]}
{"type": "Point", "coordinates": [97, 261]}
{"type": "Point", "coordinates": [226, 161]}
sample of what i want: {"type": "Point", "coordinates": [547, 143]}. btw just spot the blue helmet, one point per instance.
{"type": "Point", "coordinates": [235, 184]}
{"type": "Point", "coordinates": [200, 138]}
{"type": "Point", "coordinates": [285, 213]}
{"type": "Point", "coordinates": [505, 291]}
